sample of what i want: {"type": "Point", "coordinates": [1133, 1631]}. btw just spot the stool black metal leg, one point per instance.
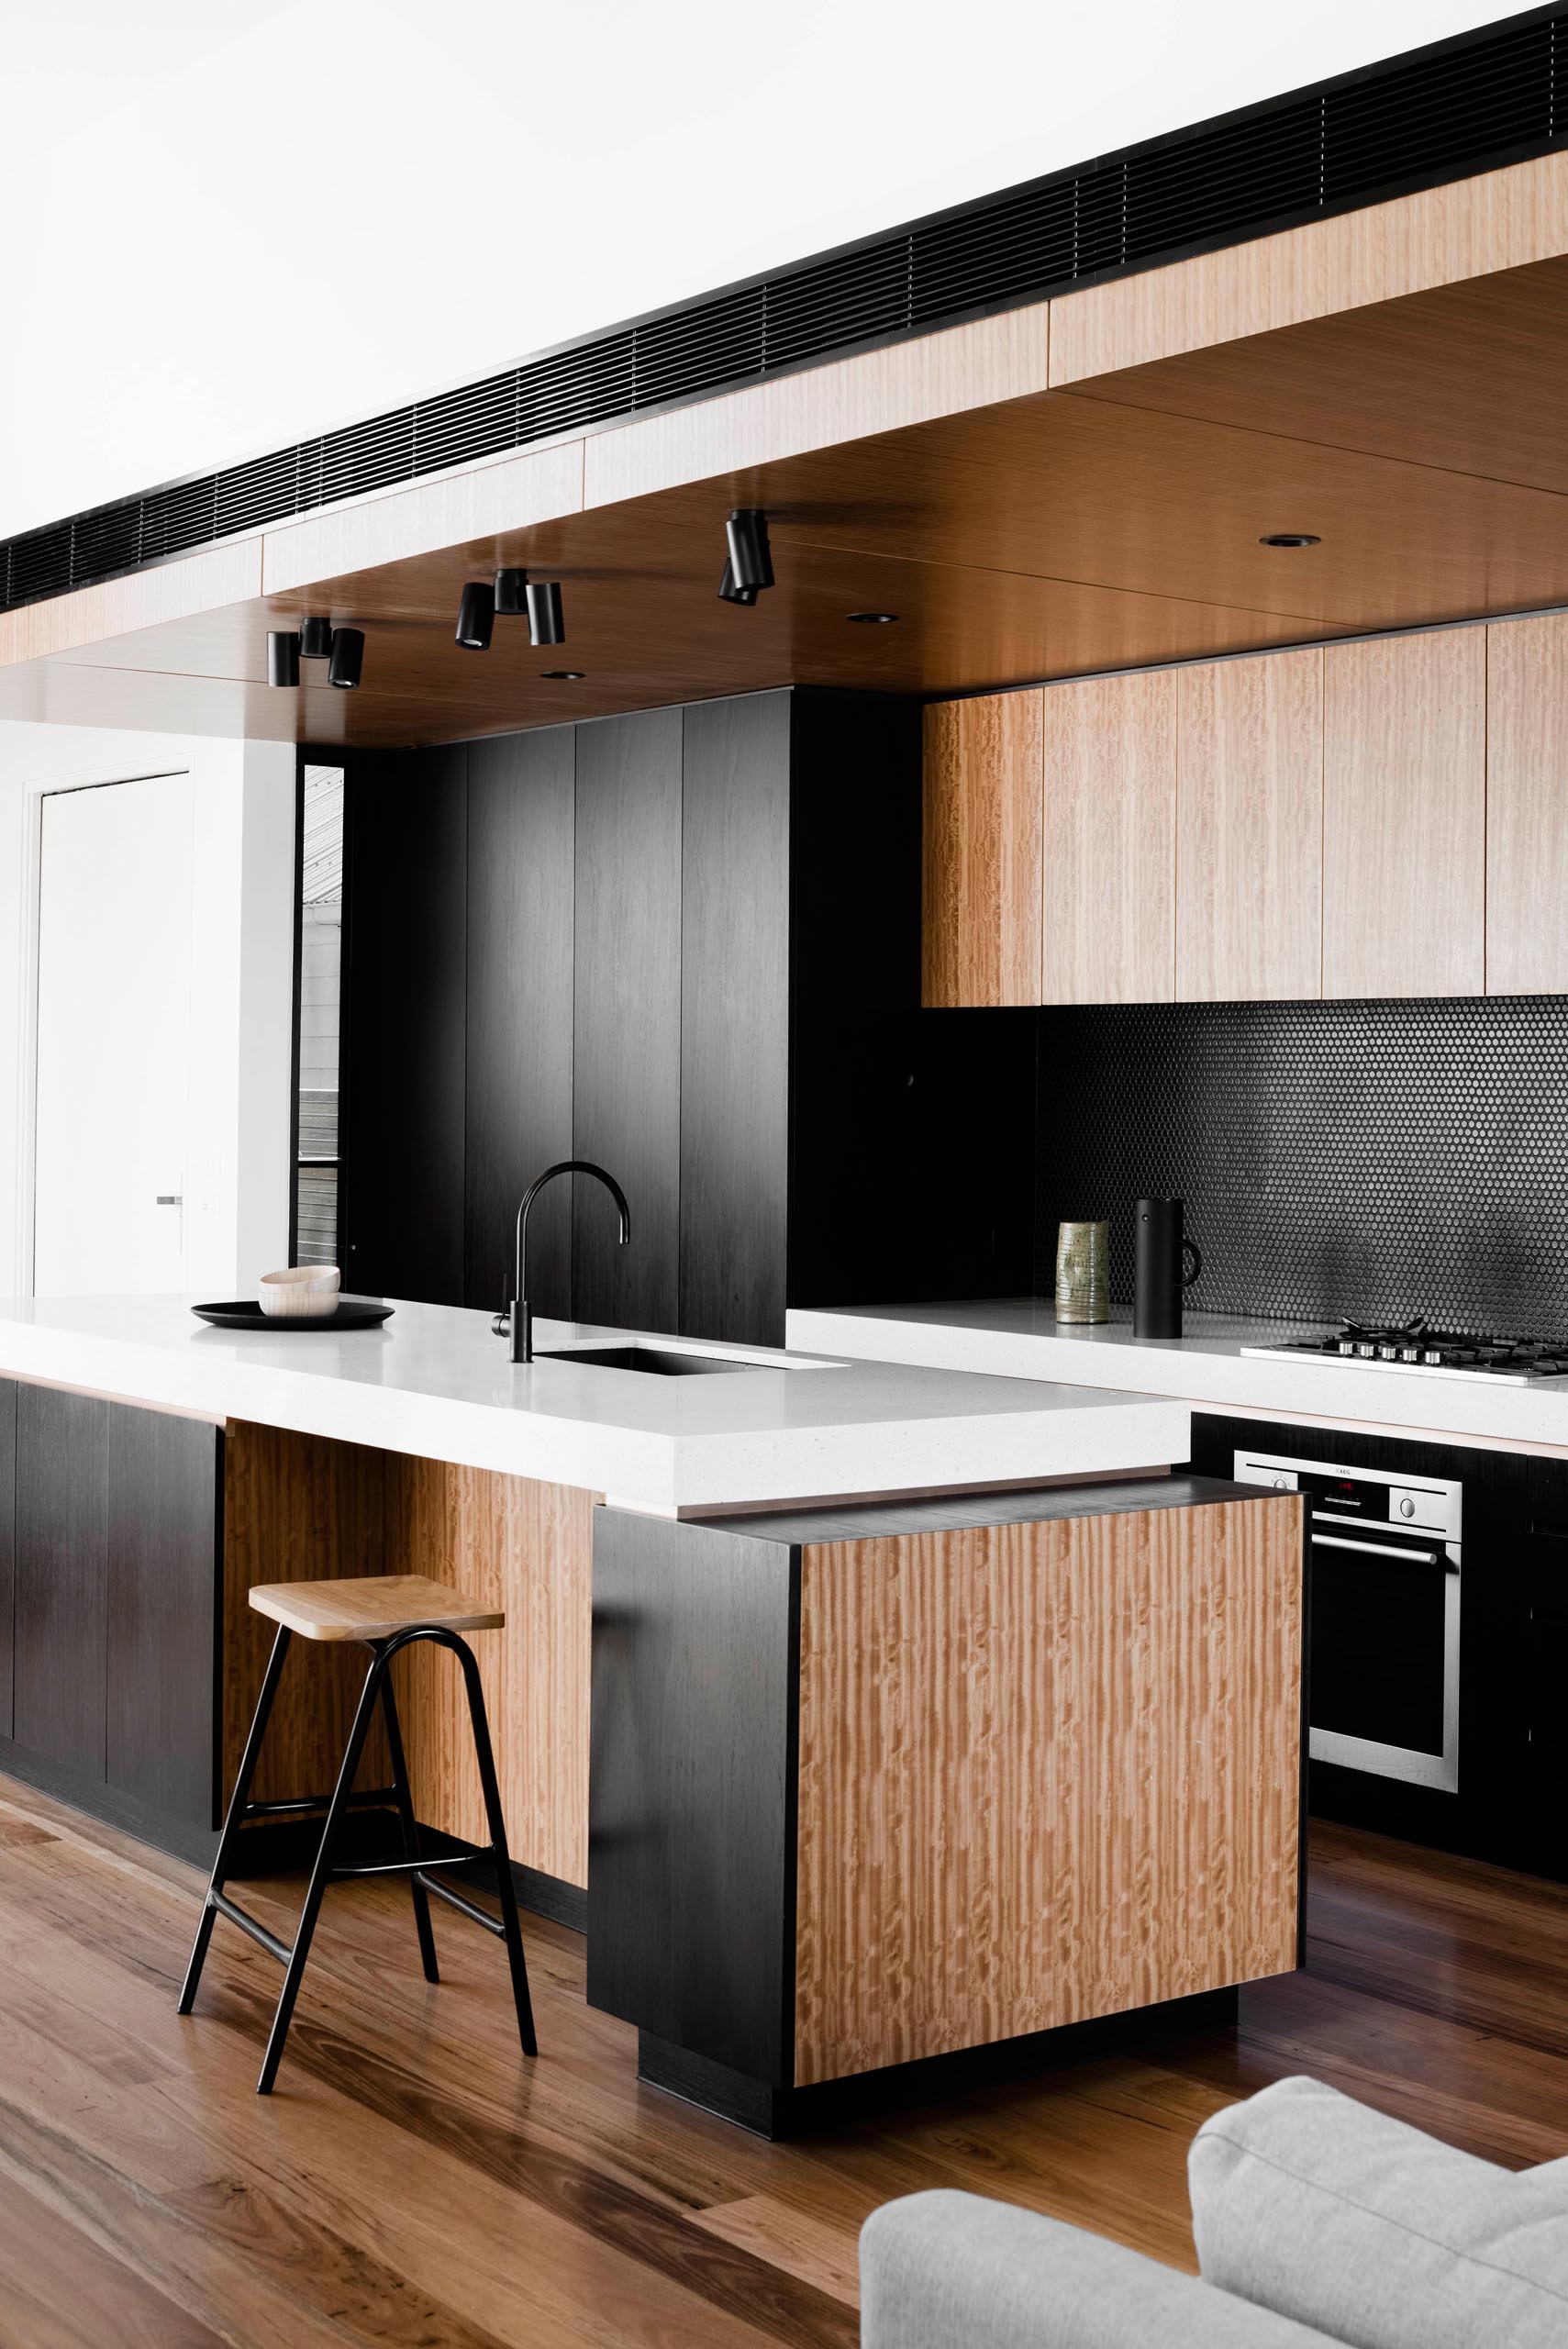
{"type": "Point", "coordinates": [321, 1873]}
{"type": "Point", "coordinates": [512, 1931]}
{"type": "Point", "coordinates": [410, 1828]}
{"type": "Point", "coordinates": [234, 1819]}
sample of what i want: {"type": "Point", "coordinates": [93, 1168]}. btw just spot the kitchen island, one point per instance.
{"type": "Point", "coordinates": [928, 1711]}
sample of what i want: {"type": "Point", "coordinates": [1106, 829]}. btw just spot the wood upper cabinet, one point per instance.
{"type": "Point", "coordinates": [1109, 840]}
{"type": "Point", "coordinates": [1526, 807]}
{"type": "Point", "coordinates": [1250, 829]}
{"type": "Point", "coordinates": [981, 855]}
{"type": "Point", "coordinates": [1405, 816]}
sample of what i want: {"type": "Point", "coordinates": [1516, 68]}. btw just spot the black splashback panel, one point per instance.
{"type": "Point", "coordinates": [1375, 1159]}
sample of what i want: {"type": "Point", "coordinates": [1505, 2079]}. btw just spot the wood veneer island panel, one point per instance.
{"type": "Point", "coordinates": [1047, 1771]}
{"type": "Point", "coordinates": [936, 1776]}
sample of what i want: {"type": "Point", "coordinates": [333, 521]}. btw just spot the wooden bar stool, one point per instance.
{"type": "Point", "coordinates": [388, 1613]}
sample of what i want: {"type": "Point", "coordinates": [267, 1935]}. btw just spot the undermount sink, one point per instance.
{"type": "Point", "coordinates": [657, 1362]}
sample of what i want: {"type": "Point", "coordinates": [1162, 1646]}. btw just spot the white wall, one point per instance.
{"type": "Point", "coordinates": [246, 221]}
{"type": "Point", "coordinates": [237, 1185]}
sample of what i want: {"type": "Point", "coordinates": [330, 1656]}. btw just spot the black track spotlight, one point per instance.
{"type": "Point", "coordinates": [511, 595]}
{"type": "Point", "coordinates": [283, 656]}
{"type": "Point", "coordinates": [546, 614]}
{"type": "Point", "coordinates": [728, 593]}
{"type": "Point", "coordinates": [347, 658]}
{"type": "Point", "coordinates": [477, 616]}
{"type": "Point", "coordinates": [315, 640]}
{"type": "Point", "coordinates": [750, 563]}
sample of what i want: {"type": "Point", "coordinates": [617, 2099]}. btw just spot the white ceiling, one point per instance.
{"type": "Point", "coordinates": [243, 221]}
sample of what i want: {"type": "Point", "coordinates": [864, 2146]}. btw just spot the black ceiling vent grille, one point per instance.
{"type": "Point", "coordinates": [476, 421]}
{"type": "Point", "coordinates": [1486, 98]}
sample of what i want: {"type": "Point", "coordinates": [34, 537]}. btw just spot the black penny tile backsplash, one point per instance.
{"type": "Point", "coordinates": [1371, 1159]}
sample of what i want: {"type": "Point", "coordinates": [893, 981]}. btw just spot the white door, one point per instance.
{"type": "Point", "coordinates": [114, 1022]}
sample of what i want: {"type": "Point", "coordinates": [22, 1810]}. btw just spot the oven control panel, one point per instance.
{"type": "Point", "coordinates": [1360, 1495]}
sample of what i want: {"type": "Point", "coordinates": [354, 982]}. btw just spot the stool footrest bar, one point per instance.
{"type": "Point", "coordinates": [410, 1867]}
{"type": "Point", "coordinates": [373, 1797]}
{"type": "Point", "coordinates": [465, 1908]}
{"type": "Point", "coordinates": [251, 1925]}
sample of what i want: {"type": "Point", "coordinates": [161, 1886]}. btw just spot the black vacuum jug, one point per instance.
{"type": "Point", "coordinates": [1160, 1275]}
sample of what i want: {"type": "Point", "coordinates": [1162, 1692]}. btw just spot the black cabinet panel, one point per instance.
{"type": "Point", "coordinates": [626, 1024]}
{"type": "Point", "coordinates": [61, 1608]}
{"type": "Point", "coordinates": [734, 1059]}
{"type": "Point", "coordinates": [163, 1484]}
{"type": "Point", "coordinates": [691, 1838]}
{"type": "Point", "coordinates": [520, 848]}
{"type": "Point", "coordinates": [8, 1545]}
{"type": "Point", "coordinates": [911, 1143]}
{"type": "Point", "coordinates": [405, 993]}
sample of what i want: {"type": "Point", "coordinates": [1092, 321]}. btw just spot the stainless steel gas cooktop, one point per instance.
{"type": "Point", "coordinates": [1439, 1353]}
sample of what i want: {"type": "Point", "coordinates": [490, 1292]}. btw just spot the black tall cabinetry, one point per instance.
{"type": "Point", "coordinates": [684, 943]}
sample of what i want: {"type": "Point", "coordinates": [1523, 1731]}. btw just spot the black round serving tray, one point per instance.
{"type": "Point", "coordinates": [244, 1313]}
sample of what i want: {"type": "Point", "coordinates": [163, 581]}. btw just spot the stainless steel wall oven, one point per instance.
{"type": "Point", "coordinates": [1385, 1549]}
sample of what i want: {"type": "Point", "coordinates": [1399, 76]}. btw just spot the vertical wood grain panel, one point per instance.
{"type": "Point", "coordinates": [626, 1022]}
{"type": "Point", "coordinates": [519, 1010]}
{"type": "Point", "coordinates": [405, 958]}
{"type": "Point", "coordinates": [526, 1547]}
{"type": "Point", "coordinates": [300, 1507]}
{"type": "Point", "coordinates": [1250, 829]}
{"type": "Point", "coordinates": [1109, 757]}
{"type": "Point", "coordinates": [735, 929]}
{"type": "Point", "coordinates": [1526, 807]}
{"type": "Point", "coordinates": [62, 1620]}
{"type": "Point", "coordinates": [1404, 816]}
{"type": "Point", "coordinates": [296, 1508]}
{"type": "Point", "coordinates": [8, 1545]}
{"type": "Point", "coordinates": [1047, 1771]}
{"type": "Point", "coordinates": [981, 862]}
{"type": "Point", "coordinates": [162, 1696]}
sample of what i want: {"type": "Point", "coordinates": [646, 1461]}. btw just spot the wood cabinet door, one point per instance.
{"type": "Point", "coordinates": [1109, 840]}
{"type": "Point", "coordinates": [62, 1617]}
{"type": "Point", "coordinates": [735, 927]}
{"type": "Point", "coordinates": [405, 967]}
{"type": "Point", "coordinates": [160, 1699]}
{"type": "Point", "coordinates": [1526, 807]}
{"type": "Point", "coordinates": [7, 1543]}
{"type": "Point", "coordinates": [625, 1110]}
{"type": "Point", "coordinates": [1250, 829]}
{"type": "Point", "coordinates": [980, 865]}
{"type": "Point", "coordinates": [519, 979]}
{"type": "Point", "coordinates": [1405, 816]}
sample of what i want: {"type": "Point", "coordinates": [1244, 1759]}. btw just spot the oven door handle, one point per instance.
{"type": "Point", "coordinates": [1385, 1550]}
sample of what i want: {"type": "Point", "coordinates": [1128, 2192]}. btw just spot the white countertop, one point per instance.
{"type": "Point", "coordinates": [434, 1381]}
{"type": "Point", "coordinates": [1020, 1337]}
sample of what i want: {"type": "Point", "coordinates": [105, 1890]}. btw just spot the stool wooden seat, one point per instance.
{"type": "Point", "coordinates": [370, 1607]}
{"type": "Point", "coordinates": [387, 1613]}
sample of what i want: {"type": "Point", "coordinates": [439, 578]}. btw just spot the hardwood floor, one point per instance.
{"type": "Point", "coordinates": [413, 2183]}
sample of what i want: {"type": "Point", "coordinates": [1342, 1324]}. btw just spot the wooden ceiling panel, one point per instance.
{"type": "Point", "coordinates": [646, 625]}
{"type": "Point", "coordinates": [1469, 378]}
{"type": "Point", "coordinates": [1109, 524]}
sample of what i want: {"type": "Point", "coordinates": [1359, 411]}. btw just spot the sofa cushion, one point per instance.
{"type": "Point", "coordinates": [1312, 2204]}
{"type": "Point", "coordinates": [944, 2270]}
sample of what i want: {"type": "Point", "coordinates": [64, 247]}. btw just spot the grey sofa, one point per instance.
{"type": "Point", "coordinates": [1318, 2223]}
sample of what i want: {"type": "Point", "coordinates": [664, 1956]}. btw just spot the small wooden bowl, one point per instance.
{"type": "Point", "coordinates": [301, 1293]}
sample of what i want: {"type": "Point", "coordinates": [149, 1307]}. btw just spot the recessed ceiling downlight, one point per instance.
{"type": "Point", "coordinates": [569, 675]}
{"type": "Point", "coordinates": [873, 619]}
{"type": "Point", "coordinates": [1291, 539]}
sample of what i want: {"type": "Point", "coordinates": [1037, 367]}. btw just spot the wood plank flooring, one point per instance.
{"type": "Point", "coordinates": [414, 2184]}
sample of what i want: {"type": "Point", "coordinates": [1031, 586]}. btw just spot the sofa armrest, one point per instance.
{"type": "Point", "coordinates": [954, 2271]}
